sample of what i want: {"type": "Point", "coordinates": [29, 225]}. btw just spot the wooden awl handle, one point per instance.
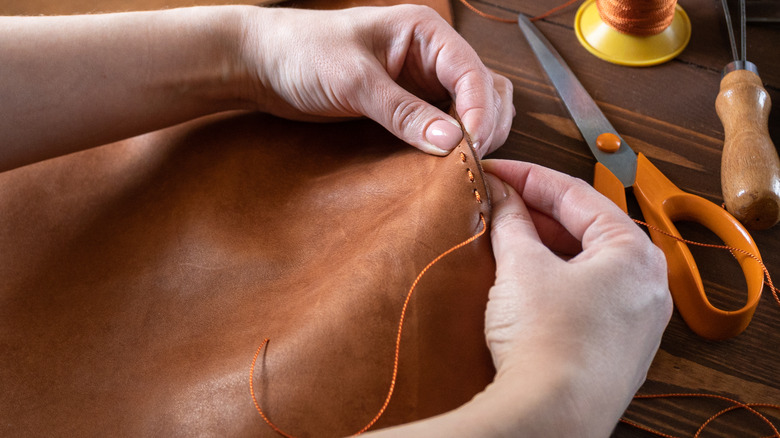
{"type": "Point", "coordinates": [750, 168]}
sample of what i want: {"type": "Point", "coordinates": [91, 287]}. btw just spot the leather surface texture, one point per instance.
{"type": "Point", "coordinates": [139, 278]}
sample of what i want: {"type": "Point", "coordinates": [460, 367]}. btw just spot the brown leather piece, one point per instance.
{"type": "Point", "coordinates": [139, 278]}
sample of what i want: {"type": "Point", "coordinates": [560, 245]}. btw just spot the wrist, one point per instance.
{"type": "Point", "coordinates": [532, 402]}
{"type": "Point", "coordinates": [254, 54]}
{"type": "Point", "coordinates": [549, 394]}
{"type": "Point", "coordinates": [195, 58]}
{"type": "Point", "coordinates": [221, 75]}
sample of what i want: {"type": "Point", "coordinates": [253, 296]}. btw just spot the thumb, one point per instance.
{"type": "Point", "coordinates": [513, 233]}
{"type": "Point", "coordinates": [410, 118]}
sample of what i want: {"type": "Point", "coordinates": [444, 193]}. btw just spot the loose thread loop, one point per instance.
{"type": "Point", "coordinates": [514, 20]}
{"type": "Point", "coordinates": [768, 278]}
{"type": "Point", "coordinates": [735, 404]}
{"type": "Point", "coordinates": [397, 352]}
{"type": "Point", "coordinates": [252, 392]}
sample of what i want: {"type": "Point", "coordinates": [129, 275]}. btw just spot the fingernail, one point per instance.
{"type": "Point", "coordinates": [443, 135]}
{"type": "Point", "coordinates": [498, 191]}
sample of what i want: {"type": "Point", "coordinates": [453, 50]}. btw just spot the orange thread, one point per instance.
{"type": "Point", "coordinates": [486, 15]}
{"type": "Point", "coordinates": [768, 277]}
{"type": "Point", "coordinates": [397, 339]}
{"type": "Point", "coordinates": [553, 10]}
{"type": "Point", "coordinates": [735, 405]}
{"type": "Point", "coordinates": [640, 18]}
{"type": "Point", "coordinates": [252, 391]}
{"type": "Point", "coordinates": [470, 175]}
{"type": "Point", "coordinates": [632, 17]}
{"type": "Point", "coordinates": [514, 20]}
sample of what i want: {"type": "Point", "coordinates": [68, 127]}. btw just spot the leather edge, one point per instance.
{"type": "Point", "coordinates": [466, 146]}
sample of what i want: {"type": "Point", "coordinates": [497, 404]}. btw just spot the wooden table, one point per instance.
{"type": "Point", "coordinates": [668, 113]}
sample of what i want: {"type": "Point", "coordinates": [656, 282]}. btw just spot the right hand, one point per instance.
{"type": "Point", "coordinates": [585, 326]}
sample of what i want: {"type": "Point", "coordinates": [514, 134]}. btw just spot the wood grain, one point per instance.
{"type": "Point", "coordinates": [750, 168]}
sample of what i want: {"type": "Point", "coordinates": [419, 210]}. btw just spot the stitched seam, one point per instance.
{"type": "Point", "coordinates": [470, 175]}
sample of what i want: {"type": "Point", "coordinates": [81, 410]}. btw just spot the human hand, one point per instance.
{"type": "Point", "coordinates": [384, 63]}
{"type": "Point", "coordinates": [582, 328]}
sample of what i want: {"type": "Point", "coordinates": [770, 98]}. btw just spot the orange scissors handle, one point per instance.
{"type": "Point", "coordinates": [662, 203]}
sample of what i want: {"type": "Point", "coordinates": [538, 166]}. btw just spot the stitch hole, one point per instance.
{"type": "Point", "coordinates": [477, 196]}
{"type": "Point", "coordinates": [470, 174]}
{"type": "Point", "coordinates": [462, 157]}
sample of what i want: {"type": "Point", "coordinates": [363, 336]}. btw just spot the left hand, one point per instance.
{"type": "Point", "coordinates": [384, 63]}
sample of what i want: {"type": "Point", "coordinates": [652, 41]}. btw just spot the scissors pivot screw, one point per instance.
{"type": "Point", "coordinates": [608, 142]}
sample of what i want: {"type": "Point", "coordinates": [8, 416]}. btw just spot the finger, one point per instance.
{"type": "Point", "coordinates": [477, 106]}
{"type": "Point", "coordinates": [586, 214]}
{"type": "Point", "coordinates": [513, 233]}
{"type": "Point", "coordinates": [554, 235]}
{"type": "Point", "coordinates": [505, 108]}
{"type": "Point", "coordinates": [462, 73]}
{"type": "Point", "coordinates": [408, 117]}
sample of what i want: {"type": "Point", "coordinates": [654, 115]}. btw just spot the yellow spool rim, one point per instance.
{"type": "Point", "coordinates": [636, 51]}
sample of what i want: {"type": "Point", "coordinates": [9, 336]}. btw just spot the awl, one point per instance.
{"type": "Point", "coordinates": [750, 168]}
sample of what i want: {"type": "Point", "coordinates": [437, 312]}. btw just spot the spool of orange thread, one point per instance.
{"type": "Point", "coordinates": [636, 33]}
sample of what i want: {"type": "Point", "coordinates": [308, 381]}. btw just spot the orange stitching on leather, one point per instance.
{"type": "Point", "coordinates": [397, 339]}
{"type": "Point", "coordinates": [470, 175]}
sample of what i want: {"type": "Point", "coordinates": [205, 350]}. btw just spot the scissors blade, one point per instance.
{"type": "Point", "coordinates": [586, 114]}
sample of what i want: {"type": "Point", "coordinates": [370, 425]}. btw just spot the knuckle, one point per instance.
{"type": "Point", "coordinates": [416, 11]}
{"type": "Point", "coordinates": [649, 256]}
{"type": "Point", "coordinates": [578, 185]}
{"type": "Point", "coordinates": [657, 267]}
{"type": "Point", "coordinates": [502, 220]}
{"type": "Point", "coordinates": [405, 114]}
{"type": "Point", "coordinates": [657, 259]}
{"type": "Point", "coordinates": [651, 261]}
{"type": "Point", "coordinates": [424, 11]}
{"type": "Point", "coordinates": [503, 84]}
{"type": "Point", "coordinates": [498, 102]}
{"type": "Point", "coordinates": [355, 79]}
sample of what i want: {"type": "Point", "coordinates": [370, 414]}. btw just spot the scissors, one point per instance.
{"type": "Point", "coordinates": [660, 201]}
